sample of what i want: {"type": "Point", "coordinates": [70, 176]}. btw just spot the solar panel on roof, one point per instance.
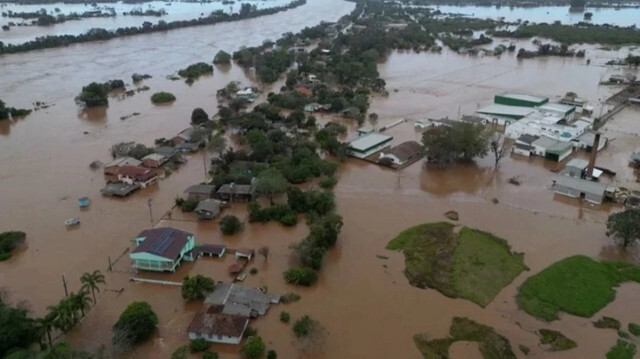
{"type": "Point", "coordinates": [161, 245]}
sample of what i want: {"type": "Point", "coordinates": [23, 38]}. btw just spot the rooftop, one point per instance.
{"type": "Point", "coordinates": [581, 185]}
{"type": "Point", "coordinates": [165, 242]}
{"type": "Point", "coordinates": [209, 205]}
{"type": "Point", "coordinates": [369, 141]}
{"type": "Point", "coordinates": [242, 300]}
{"type": "Point", "coordinates": [200, 188]}
{"type": "Point", "coordinates": [154, 157]}
{"type": "Point", "coordinates": [123, 161]}
{"type": "Point", "coordinates": [578, 163]}
{"type": "Point", "coordinates": [544, 142]}
{"type": "Point", "coordinates": [504, 110]}
{"type": "Point", "coordinates": [406, 150]}
{"type": "Point", "coordinates": [210, 320]}
{"type": "Point", "coordinates": [524, 97]}
{"type": "Point", "coordinates": [217, 249]}
{"type": "Point", "coordinates": [559, 147]}
{"type": "Point", "coordinates": [557, 107]}
{"type": "Point", "coordinates": [529, 139]}
{"type": "Point", "coordinates": [233, 188]}
{"type": "Point", "coordinates": [137, 172]}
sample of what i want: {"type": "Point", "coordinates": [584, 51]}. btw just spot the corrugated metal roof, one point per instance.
{"type": "Point", "coordinates": [366, 142]}
{"type": "Point", "coordinates": [544, 142]}
{"type": "Point", "coordinates": [578, 163]}
{"type": "Point", "coordinates": [582, 185]}
{"type": "Point", "coordinates": [504, 110]}
{"type": "Point", "coordinates": [524, 97]}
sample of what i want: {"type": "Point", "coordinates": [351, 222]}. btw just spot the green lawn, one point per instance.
{"type": "Point", "coordinates": [473, 265]}
{"type": "Point", "coordinates": [491, 344]}
{"type": "Point", "coordinates": [576, 285]}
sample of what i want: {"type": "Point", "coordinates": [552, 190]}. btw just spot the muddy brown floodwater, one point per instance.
{"type": "Point", "coordinates": [365, 303]}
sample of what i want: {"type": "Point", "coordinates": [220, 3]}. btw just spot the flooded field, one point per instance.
{"type": "Point", "coordinates": [175, 11]}
{"type": "Point", "coordinates": [548, 14]}
{"type": "Point", "coordinates": [364, 302]}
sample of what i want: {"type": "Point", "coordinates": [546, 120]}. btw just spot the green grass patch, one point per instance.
{"type": "Point", "coordinates": [576, 285]}
{"type": "Point", "coordinates": [622, 350]}
{"type": "Point", "coordinates": [634, 329]}
{"type": "Point", "coordinates": [607, 323]}
{"type": "Point", "coordinates": [471, 264]}
{"type": "Point", "coordinates": [554, 341]}
{"type": "Point", "coordinates": [491, 344]}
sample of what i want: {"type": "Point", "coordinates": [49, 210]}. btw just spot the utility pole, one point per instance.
{"type": "Point", "coordinates": [64, 284]}
{"type": "Point", "coordinates": [150, 211]}
{"type": "Point", "coordinates": [204, 162]}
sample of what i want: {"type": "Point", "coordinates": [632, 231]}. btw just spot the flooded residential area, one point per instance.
{"type": "Point", "coordinates": [395, 241]}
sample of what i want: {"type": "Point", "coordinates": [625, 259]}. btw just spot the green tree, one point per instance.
{"type": "Point", "coordinates": [196, 287]}
{"type": "Point", "coordinates": [460, 142]}
{"type": "Point", "coordinates": [218, 144]}
{"type": "Point", "coordinates": [94, 95]}
{"type": "Point", "coordinates": [271, 354]}
{"type": "Point", "coordinates": [17, 329]}
{"type": "Point", "coordinates": [180, 352]}
{"type": "Point", "coordinates": [304, 326]}
{"type": "Point", "coordinates": [625, 226]}
{"type": "Point", "coordinates": [199, 345]}
{"type": "Point", "coordinates": [90, 282]}
{"type": "Point", "coordinates": [209, 355]}
{"type": "Point", "coordinates": [271, 182]}
{"type": "Point", "coordinates": [230, 225]}
{"type": "Point", "coordinates": [253, 349]}
{"type": "Point", "coordinates": [301, 276]}
{"type": "Point", "coordinates": [80, 301]}
{"type": "Point", "coordinates": [198, 116]}
{"type": "Point", "coordinates": [162, 97]}
{"type": "Point", "coordinates": [222, 57]}
{"type": "Point", "coordinates": [136, 323]}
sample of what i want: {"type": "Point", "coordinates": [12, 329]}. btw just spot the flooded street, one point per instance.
{"type": "Point", "coordinates": [364, 302]}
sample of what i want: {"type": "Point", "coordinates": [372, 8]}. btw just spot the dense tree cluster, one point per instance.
{"type": "Point", "coordinates": [194, 71]}
{"type": "Point", "coordinates": [460, 142]}
{"type": "Point", "coordinates": [136, 323]}
{"type": "Point", "coordinates": [10, 241]}
{"type": "Point", "coordinates": [624, 226]}
{"type": "Point", "coordinates": [222, 57]}
{"type": "Point", "coordinates": [576, 34]}
{"type": "Point", "coordinates": [96, 94]}
{"type": "Point", "coordinates": [11, 112]}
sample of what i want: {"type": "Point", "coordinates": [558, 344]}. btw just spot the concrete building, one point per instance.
{"type": "Point", "coordinates": [241, 300]}
{"type": "Point", "coordinates": [138, 175]}
{"type": "Point", "coordinates": [365, 146]}
{"type": "Point", "coordinates": [209, 208]}
{"type": "Point", "coordinates": [521, 100]}
{"type": "Point", "coordinates": [112, 167]}
{"type": "Point", "coordinates": [566, 112]}
{"type": "Point", "coordinates": [154, 160]}
{"type": "Point", "coordinates": [551, 149]}
{"type": "Point", "coordinates": [585, 142]}
{"type": "Point", "coordinates": [546, 124]}
{"type": "Point", "coordinates": [200, 191]}
{"type": "Point", "coordinates": [524, 145]}
{"type": "Point", "coordinates": [593, 192]}
{"type": "Point", "coordinates": [503, 114]}
{"type": "Point", "coordinates": [161, 249]}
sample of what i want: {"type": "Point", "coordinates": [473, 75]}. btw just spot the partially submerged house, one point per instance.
{"type": "Point", "coordinates": [403, 153]}
{"type": "Point", "coordinates": [520, 100]}
{"type": "Point", "coordinates": [591, 191]}
{"type": "Point", "coordinates": [236, 192]}
{"type": "Point", "coordinates": [200, 191]}
{"type": "Point", "coordinates": [161, 249]}
{"type": "Point", "coordinates": [112, 167]}
{"type": "Point", "coordinates": [365, 146]}
{"type": "Point", "coordinates": [154, 160]}
{"type": "Point", "coordinates": [241, 300]}
{"type": "Point", "coordinates": [210, 250]}
{"type": "Point", "coordinates": [246, 253]}
{"type": "Point", "coordinates": [211, 324]}
{"type": "Point", "coordinates": [551, 149]}
{"type": "Point", "coordinates": [576, 168]}
{"type": "Point", "coordinates": [586, 140]}
{"type": "Point", "coordinates": [209, 208]}
{"type": "Point", "coordinates": [119, 189]}
{"type": "Point", "coordinates": [137, 175]}
{"type": "Point", "coordinates": [524, 145]}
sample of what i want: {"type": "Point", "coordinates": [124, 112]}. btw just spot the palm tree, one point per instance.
{"type": "Point", "coordinates": [90, 281]}
{"type": "Point", "coordinates": [60, 316]}
{"type": "Point", "coordinates": [45, 324]}
{"type": "Point", "coordinates": [80, 301]}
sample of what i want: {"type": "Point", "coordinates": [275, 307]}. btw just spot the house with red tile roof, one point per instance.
{"type": "Point", "coordinates": [138, 175]}
{"type": "Point", "coordinates": [211, 324]}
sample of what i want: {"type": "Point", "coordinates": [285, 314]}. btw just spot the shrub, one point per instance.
{"type": "Point", "coordinates": [4, 256]}
{"type": "Point", "coordinates": [230, 225]}
{"type": "Point", "coordinates": [180, 352]}
{"type": "Point", "coordinates": [162, 97]}
{"type": "Point", "coordinates": [199, 345]}
{"type": "Point", "coordinates": [285, 317]}
{"type": "Point", "coordinates": [10, 241]}
{"type": "Point", "coordinates": [209, 355]}
{"type": "Point", "coordinates": [253, 348]}
{"type": "Point", "coordinates": [271, 354]}
{"type": "Point", "coordinates": [303, 326]}
{"type": "Point", "coordinates": [253, 270]}
{"type": "Point", "coordinates": [196, 70]}
{"type": "Point", "coordinates": [189, 205]}
{"type": "Point", "coordinates": [328, 182]}
{"type": "Point", "coordinates": [301, 276]}
{"type": "Point", "coordinates": [290, 298]}
{"type": "Point", "coordinates": [135, 325]}
{"type": "Point", "coordinates": [607, 323]}
{"type": "Point", "coordinates": [634, 329]}
{"type": "Point", "coordinates": [250, 332]}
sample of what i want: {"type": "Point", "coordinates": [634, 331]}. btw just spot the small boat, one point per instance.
{"type": "Point", "coordinates": [70, 222]}
{"type": "Point", "coordinates": [84, 202]}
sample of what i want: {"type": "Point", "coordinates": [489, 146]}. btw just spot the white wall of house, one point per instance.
{"type": "Point", "coordinates": [565, 155]}
{"type": "Point", "coordinates": [223, 339]}
{"type": "Point", "coordinates": [521, 152]}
